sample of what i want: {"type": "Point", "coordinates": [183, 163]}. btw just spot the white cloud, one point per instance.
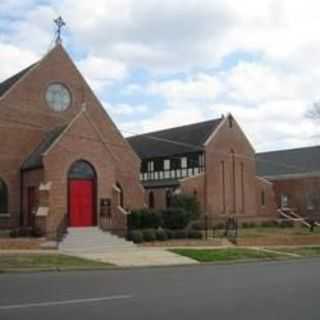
{"type": "Point", "coordinates": [125, 109]}
{"type": "Point", "coordinates": [202, 88]}
{"type": "Point", "coordinates": [166, 119]}
{"type": "Point", "coordinates": [100, 72]}
{"type": "Point", "coordinates": [269, 94]}
{"type": "Point", "coordinates": [14, 59]}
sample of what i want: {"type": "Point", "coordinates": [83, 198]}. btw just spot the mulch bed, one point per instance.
{"type": "Point", "coordinates": [20, 244]}
{"type": "Point", "coordinates": [278, 240]}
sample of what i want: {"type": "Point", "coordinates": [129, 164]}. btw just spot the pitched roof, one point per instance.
{"type": "Point", "coordinates": [178, 140]}
{"type": "Point", "coordinates": [288, 162]}
{"type": "Point", "coordinates": [34, 160]}
{"type": "Point", "coordinates": [8, 83]}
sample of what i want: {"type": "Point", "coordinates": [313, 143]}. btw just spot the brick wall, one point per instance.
{"type": "Point", "coordinates": [25, 103]}
{"type": "Point", "coordinates": [298, 189]}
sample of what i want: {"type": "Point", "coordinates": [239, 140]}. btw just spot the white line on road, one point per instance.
{"type": "Point", "coordinates": [63, 302]}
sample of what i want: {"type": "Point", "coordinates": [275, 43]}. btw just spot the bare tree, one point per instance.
{"type": "Point", "coordinates": [314, 111]}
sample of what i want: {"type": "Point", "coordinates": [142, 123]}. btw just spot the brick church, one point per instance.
{"type": "Point", "coordinates": [63, 162]}
{"type": "Point", "coordinates": [213, 160]}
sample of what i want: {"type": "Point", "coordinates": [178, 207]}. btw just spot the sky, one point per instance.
{"type": "Point", "coordinates": [156, 64]}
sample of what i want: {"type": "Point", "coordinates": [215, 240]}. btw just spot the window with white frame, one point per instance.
{"type": "Point", "coordinates": [166, 164]}
{"type": "Point", "coordinates": [150, 166]}
{"type": "Point", "coordinates": [184, 162]}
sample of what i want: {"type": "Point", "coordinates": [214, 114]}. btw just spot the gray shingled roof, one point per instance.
{"type": "Point", "coordinates": [289, 162]}
{"type": "Point", "coordinates": [179, 140]}
{"type": "Point", "coordinates": [8, 83]}
{"type": "Point", "coordinates": [35, 158]}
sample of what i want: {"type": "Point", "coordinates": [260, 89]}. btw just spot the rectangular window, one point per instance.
{"type": "Point", "coordinates": [166, 164]}
{"type": "Point", "coordinates": [167, 174]}
{"type": "Point", "coordinates": [150, 166]}
{"type": "Point", "coordinates": [184, 162]}
{"type": "Point", "coordinates": [201, 160]}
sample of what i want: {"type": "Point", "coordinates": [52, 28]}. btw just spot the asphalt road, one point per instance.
{"type": "Point", "coordinates": [271, 290]}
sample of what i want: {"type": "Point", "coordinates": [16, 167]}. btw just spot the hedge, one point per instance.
{"type": "Point", "coordinates": [188, 203]}
{"type": "Point", "coordinates": [175, 218]}
{"type": "Point", "coordinates": [144, 219]}
{"type": "Point", "coordinates": [135, 235]}
{"type": "Point", "coordinates": [149, 235]}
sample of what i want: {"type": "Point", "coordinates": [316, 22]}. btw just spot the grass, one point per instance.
{"type": "Point", "coordinates": [46, 262]}
{"type": "Point", "coordinates": [228, 254]}
{"type": "Point", "coordinates": [312, 251]}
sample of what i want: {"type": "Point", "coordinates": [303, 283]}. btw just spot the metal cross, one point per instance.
{"type": "Point", "coordinates": [60, 24]}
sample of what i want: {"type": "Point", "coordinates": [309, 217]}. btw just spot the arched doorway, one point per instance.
{"type": "Point", "coordinates": [82, 194]}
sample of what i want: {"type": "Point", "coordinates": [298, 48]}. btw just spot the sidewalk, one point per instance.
{"type": "Point", "coordinates": [139, 257]}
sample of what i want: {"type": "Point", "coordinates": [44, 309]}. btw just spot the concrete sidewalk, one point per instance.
{"type": "Point", "coordinates": [135, 257]}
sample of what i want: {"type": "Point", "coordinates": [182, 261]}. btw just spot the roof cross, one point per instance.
{"type": "Point", "coordinates": [60, 24]}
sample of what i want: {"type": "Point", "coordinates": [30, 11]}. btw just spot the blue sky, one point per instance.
{"type": "Point", "coordinates": [160, 63]}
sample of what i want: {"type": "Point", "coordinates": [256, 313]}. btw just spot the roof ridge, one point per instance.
{"type": "Point", "coordinates": [173, 128]}
{"type": "Point", "coordinates": [288, 150]}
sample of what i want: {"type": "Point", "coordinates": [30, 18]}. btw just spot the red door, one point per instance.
{"type": "Point", "coordinates": [81, 203]}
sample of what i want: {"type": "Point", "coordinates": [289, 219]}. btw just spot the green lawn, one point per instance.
{"type": "Point", "coordinates": [229, 254]}
{"type": "Point", "coordinates": [46, 262]}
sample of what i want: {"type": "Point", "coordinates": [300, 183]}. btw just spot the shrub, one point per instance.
{"type": "Point", "coordinates": [149, 235]}
{"type": "Point", "coordinates": [175, 218]}
{"type": "Point", "coordinates": [197, 225]}
{"type": "Point", "coordinates": [188, 203]}
{"type": "Point", "coordinates": [144, 219]}
{"type": "Point", "coordinates": [252, 225]}
{"type": "Point", "coordinates": [195, 234]}
{"type": "Point", "coordinates": [268, 224]}
{"type": "Point", "coordinates": [219, 226]}
{"type": "Point", "coordinates": [21, 232]}
{"type": "Point", "coordinates": [170, 234]}
{"type": "Point", "coordinates": [136, 236]}
{"type": "Point", "coordinates": [161, 235]}
{"type": "Point", "coordinates": [286, 224]}
{"type": "Point", "coordinates": [180, 234]}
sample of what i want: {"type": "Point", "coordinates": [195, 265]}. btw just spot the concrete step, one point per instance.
{"type": "Point", "coordinates": [92, 239]}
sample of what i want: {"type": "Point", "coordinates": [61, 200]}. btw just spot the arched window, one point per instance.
{"type": "Point", "coordinates": [3, 197]}
{"type": "Point", "coordinates": [121, 195]}
{"type": "Point", "coordinates": [151, 200]}
{"type": "Point", "coordinates": [81, 170]}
